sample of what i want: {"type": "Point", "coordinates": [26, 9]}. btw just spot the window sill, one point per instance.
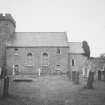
{"type": "Point", "coordinates": [28, 65]}
{"type": "Point", "coordinates": [16, 54]}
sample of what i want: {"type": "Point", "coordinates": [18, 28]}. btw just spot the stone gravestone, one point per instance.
{"type": "Point", "coordinates": [104, 74]}
{"type": "Point", "coordinates": [90, 80]}
{"type": "Point", "coordinates": [69, 74]}
{"type": "Point", "coordinates": [75, 77]}
{"type": "Point", "coordinates": [99, 75]}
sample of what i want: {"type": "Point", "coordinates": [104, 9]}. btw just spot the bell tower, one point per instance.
{"type": "Point", "coordinates": [7, 30]}
{"type": "Point", "coordinates": [7, 26]}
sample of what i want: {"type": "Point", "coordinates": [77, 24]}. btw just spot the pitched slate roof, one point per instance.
{"type": "Point", "coordinates": [31, 39]}
{"type": "Point", "coordinates": [75, 48]}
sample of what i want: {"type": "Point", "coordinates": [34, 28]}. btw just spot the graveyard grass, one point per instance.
{"type": "Point", "coordinates": [54, 90]}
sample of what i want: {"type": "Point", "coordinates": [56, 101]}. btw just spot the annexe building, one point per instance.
{"type": "Point", "coordinates": [76, 58]}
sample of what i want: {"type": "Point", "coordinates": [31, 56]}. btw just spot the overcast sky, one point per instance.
{"type": "Point", "coordinates": [81, 19]}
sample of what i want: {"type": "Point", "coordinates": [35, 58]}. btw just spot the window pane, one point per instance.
{"type": "Point", "coordinates": [58, 51]}
{"type": "Point", "coordinates": [45, 54]}
{"type": "Point", "coordinates": [72, 62]}
{"type": "Point", "coordinates": [45, 59]}
{"type": "Point", "coordinates": [29, 54]}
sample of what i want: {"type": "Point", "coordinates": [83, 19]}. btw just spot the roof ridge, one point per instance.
{"type": "Point", "coordinates": [42, 32]}
{"type": "Point", "coordinates": [75, 42]}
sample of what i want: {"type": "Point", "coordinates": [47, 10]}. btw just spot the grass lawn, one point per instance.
{"type": "Point", "coordinates": [54, 90]}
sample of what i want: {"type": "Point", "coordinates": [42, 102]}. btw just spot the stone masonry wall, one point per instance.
{"type": "Point", "coordinates": [56, 62]}
{"type": "Point", "coordinates": [79, 61]}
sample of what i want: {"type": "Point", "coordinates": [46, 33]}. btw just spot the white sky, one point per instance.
{"type": "Point", "coordinates": [81, 19]}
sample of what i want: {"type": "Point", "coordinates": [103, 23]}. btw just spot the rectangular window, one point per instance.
{"type": "Point", "coordinates": [58, 51]}
{"type": "Point", "coordinates": [73, 62]}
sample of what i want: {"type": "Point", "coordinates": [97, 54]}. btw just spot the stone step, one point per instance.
{"type": "Point", "coordinates": [24, 77]}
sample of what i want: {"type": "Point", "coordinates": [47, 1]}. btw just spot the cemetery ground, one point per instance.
{"type": "Point", "coordinates": [53, 90]}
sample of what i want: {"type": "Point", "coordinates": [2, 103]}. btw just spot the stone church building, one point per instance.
{"type": "Point", "coordinates": [33, 52]}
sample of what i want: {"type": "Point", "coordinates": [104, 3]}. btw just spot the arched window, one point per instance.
{"type": "Point", "coordinates": [45, 54]}
{"type": "Point", "coordinates": [16, 69]}
{"type": "Point", "coordinates": [29, 59]}
{"type": "Point", "coordinates": [29, 54]}
{"type": "Point", "coordinates": [45, 59]}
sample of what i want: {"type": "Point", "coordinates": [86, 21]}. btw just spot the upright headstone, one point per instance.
{"type": "Point", "coordinates": [99, 75]}
{"type": "Point", "coordinates": [69, 74]}
{"type": "Point", "coordinates": [13, 71]}
{"type": "Point", "coordinates": [0, 72]}
{"type": "Point", "coordinates": [90, 80]}
{"type": "Point", "coordinates": [104, 74]}
{"type": "Point", "coordinates": [39, 72]}
{"type": "Point", "coordinates": [73, 76]}
{"type": "Point", "coordinates": [77, 78]}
